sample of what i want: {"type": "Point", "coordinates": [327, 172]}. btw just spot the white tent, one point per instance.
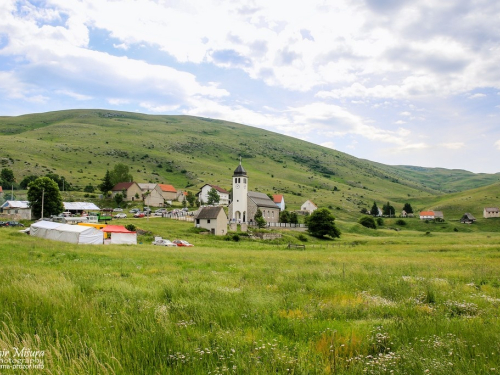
{"type": "Point", "coordinates": [40, 228]}
{"type": "Point", "coordinates": [77, 234]}
{"type": "Point", "coordinates": [120, 235]}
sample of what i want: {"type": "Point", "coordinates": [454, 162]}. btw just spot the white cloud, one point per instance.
{"type": "Point", "coordinates": [497, 144]}
{"type": "Point", "coordinates": [73, 95]}
{"type": "Point", "coordinates": [453, 146]}
{"type": "Point", "coordinates": [477, 96]}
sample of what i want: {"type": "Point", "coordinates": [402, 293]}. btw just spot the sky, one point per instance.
{"type": "Point", "coordinates": [399, 82]}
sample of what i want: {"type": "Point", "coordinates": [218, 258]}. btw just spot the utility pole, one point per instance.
{"type": "Point", "coordinates": [43, 193]}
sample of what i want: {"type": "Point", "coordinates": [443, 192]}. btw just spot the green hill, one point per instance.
{"type": "Point", "coordinates": [189, 152]}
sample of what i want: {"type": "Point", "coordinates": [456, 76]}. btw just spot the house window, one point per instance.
{"type": "Point", "coordinates": [208, 221]}
{"type": "Point", "coordinates": [244, 180]}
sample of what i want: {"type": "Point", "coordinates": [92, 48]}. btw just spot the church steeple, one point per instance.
{"type": "Point", "coordinates": [240, 195]}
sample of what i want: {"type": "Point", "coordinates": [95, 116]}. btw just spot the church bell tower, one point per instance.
{"type": "Point", "coordinates": [240, 195]}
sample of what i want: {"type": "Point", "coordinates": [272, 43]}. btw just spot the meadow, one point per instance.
{"type": "Point", "coordinates": [373, 302]}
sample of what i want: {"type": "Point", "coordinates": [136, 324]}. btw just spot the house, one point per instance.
{"type": "Point", "coordinates": [17, 210]}
{"type": "Point", "coordinates": [181, 196]}
{"type": "Point", "coordinates": [245, 203]}
{"type": "Point", "coordinates": [152, 195]}
{"type": "Point", "coordinates": [491, 212]}
{"type": "Point", "coordinates": [212, 218]}
{"type": "Point", "coordinates": [467, 218]}
{"type": "Point", "coordinates": [223, 194]}
{"type": "Point", "coordinates": [279, 199]}
{"type": "Point", "coordinates": [78, 208]}
{"type": "Point", "coordinates": [168, 192]}
{"type": "Point", "coordinates": [130, 190]}
{"type": "Point", "coordinates": [308, 206]}
{"type": "Point", "coordinates": [427, 215]}
{"type": "Point", "coordinates": [438, 215]}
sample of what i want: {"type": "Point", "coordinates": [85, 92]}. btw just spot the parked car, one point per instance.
{"type": "Point", "coordinates": [118, 209]}
{"type": "Point", "coordinates": [3, 223]}
{"type": "Point", "coordinates": [158, 214]}
{"type": "Point", "coordinates": [164, 242]}
{"type": "Point", "coordinates": [120, 216]}
{"type": "Point", "coordinates": [182, 243]}
{"type": "Point", "coordinates": [134, 210]}
{"type": "Point", "coordinates": [161, 211]}
{"type": "Point", "coordinates": [139, 214]}
{"type": "Point", "coordinates": [14, 224]}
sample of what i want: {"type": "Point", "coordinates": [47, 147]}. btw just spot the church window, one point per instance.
{"type": "Point", "coordinates": [244, 180]}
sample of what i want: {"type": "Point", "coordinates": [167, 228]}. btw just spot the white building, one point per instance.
{"type": "Point", "coordinates": [279, 199]}
{"type": "Point", "coordinates": [17, 210]}
{"type": "Point", "coordinates": [223, 194]}
{"type": "Point", "coordinates": [491, 212]}
{"type": "Point", "coordinates": [308, 206]}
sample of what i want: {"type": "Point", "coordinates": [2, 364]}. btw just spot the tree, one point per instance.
{"type": "Point", "coordinates": [213, 196]}
{"type": "Point", "coordinates": [89, 189]}
{"type": "Point", "coordinates": [259, 219]}
{"type": "Point", "coordinates": [106, 185]}
{"type": "Point", "coordinates": [118, 199]}
{"type": "Point", "coordinates": [7, 176]}
{"type": "Point", "coordinates": [284, 217]}
{"type": "Point", "coordinates": [120, 173]}
{"type": "Point", "coordinates": [364, 211]}
{"type": "Point", "coordinates": [321, 223]}
{"type": "Point", "coordinates": [388, 210]}
{"type": "Point", "coordinates": [374, 210]}
{"type": "Point", "coordinates": [45, 189]}
{"type": "Point", "coordinates": [368, 222]}
{"type": "Point", "coordinates": [294, 218]}
{"type": "Point", "coordinates": [191, 198]}
{"type": "Point", "coordinates": [26, 181]}
{"type": "Point", "coordinates": [60, 181]}
{"type": "Point", "coordinates": [407, 207]}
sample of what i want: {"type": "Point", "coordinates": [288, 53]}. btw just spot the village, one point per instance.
{"type": "Point", "coordinates": [218, 211]}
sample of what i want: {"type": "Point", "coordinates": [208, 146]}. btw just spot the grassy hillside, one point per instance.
{"type": "Point", "coordinates": [189, 152]}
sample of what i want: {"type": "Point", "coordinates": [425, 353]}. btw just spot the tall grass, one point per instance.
{"type": "Point", "coordinates": [402, 303]}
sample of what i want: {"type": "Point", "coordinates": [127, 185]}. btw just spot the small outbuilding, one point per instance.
{"type": "Point", "coordinates": [491, 212]}
{"type": "Point", "coordinates": [467, 218]}
{"type": "Point", "coordinates": [17, 210]}
{"type": "Point", "coordinates": [308, 206]}
{"type": "Point", "coordinates": [212, 218]}
{"type": "Point", "coordinates": [119, 235]}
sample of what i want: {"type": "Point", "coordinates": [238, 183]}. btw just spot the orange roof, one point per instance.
{"type": "Point", "coordinates": [278, 198]}
{"type": "Point", "coordinates": [167, 188]}
{"type": "Point", "coordinates": [427, 213]}
{"type": "Point", "coordinates": [0, 189]}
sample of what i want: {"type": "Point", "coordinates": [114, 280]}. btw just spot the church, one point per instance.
{"type": "Point", "coordinates": [245, 203]}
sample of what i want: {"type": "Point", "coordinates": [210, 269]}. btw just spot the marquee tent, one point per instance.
{"type": "Point", "coordinates": [77, 234]}
{"type": "Point", "coordinates": [120, 235]}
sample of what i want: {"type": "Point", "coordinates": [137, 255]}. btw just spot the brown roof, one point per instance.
{"type": "Point", "coordinates": [167, 188]}
{"type": "Point", "coordinates": [122, 186]}
{"type": "Point", "coordinates": [219, 189]}
{"type": "Point", "coordinates": [487, 209]}
{"type": "Point", "coordinates": [209, 212]}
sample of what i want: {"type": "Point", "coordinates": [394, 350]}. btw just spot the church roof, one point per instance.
{"type": "Point", "coordinates": [261, 199]}
{"type": "Point", "coordinates": [239, 171]}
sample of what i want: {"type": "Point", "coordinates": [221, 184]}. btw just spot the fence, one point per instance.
{"type": "Point", "coordinates": [286, 225]}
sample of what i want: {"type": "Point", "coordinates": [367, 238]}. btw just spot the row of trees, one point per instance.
{"type": "Point", "coordinates": [387, 209]}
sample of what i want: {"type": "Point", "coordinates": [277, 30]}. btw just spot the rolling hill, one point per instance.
{"type": "Point", "coordinates": [191, 151]}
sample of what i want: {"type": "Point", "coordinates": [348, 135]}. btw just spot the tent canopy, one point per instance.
{"type": "Point", "coordinates": [77, 234]}
{"type": "Point", "coordinates": [116, 229]}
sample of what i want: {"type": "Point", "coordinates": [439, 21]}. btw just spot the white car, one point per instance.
{"type": "Point", "coordinates": [120, 216]}
{"type": "Point", "coordinates": [118, 209]}
{"type": "Point", "coordinates": [164, 242]}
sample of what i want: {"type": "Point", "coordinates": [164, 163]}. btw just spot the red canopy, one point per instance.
{"type": "Point", "coordinates": [116, 229]}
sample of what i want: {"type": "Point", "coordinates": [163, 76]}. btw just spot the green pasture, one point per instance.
{"type": "Point", "coordinates": [374, 302]}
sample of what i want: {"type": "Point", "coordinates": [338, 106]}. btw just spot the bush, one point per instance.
{"type": "Point", "coordinates": [380, 221]}
{"type": "Point", "coordinates": [236, 237]}
{"type": "Point", "coordinates": [130, 227]}
{"type": "Point", "coordinates": [400, 222]}
{"type": "Point", "coordinates": [302, 238]}
{"type": "Point", "coordinates": [368, 222]}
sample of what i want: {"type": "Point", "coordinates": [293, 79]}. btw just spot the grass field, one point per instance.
{"type": "Point", "coordinates": [374, 302]}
